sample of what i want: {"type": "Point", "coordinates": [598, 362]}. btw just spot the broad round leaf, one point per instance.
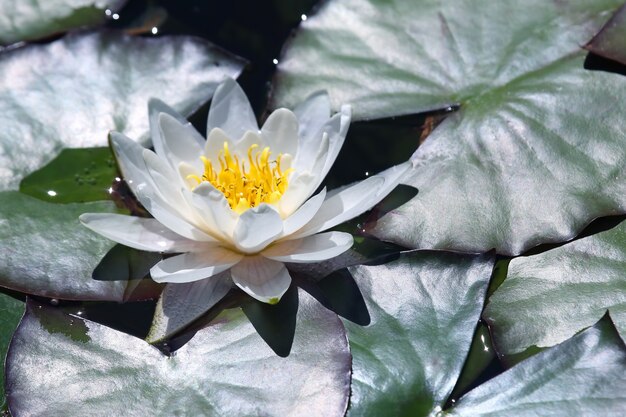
{"type": "Point", "coordinates": [72, 92]}
{"type": "Point", "coordinates": [11, 310]}
{"type": "Point", "coordinates": [584, 376]}
{"type": "Point", "coordinates": [424, 309]}
{"type": "Point", "coordinates": [74, 176]}
{"type": "Point", "coordinates": [547, 298]}
{"type": "Point", "coordinates": [536, 150]}
{"type": "Point", "coordinates": [44, 250]}
{"type": "Point", "coordinates": [60, 365]}
{"type": "Point", "coordinates": [27, 20]}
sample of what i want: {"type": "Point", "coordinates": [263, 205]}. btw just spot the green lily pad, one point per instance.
{"type": "Point", "coordinates": [583, 376]}
{"type": "Point", "coordinates": [22, 21]}
{"type": "Point", "coordinates": [536, 150]}
{"type": "Point", "coordinates": [74, 176]}
{"type": "Point", "coordinates": [47, 252]}
{"type": "Point", "coordinates": [225, 370]}
{"type": "Point", "coordinates": [547, 298]}
{"type": "Point", "coordinates": [93, 83]}
{"type": "Point", "coordinates": [11, 311]}
{"type": "Point", "coordinates": [424, 309]}
{"type": "Point", "coordinates": [610, 42]}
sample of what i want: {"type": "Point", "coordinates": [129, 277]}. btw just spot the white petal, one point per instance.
{"type": "Point", "coordinates": [303, 214]}
{"type": "Point", "coordinates": [193, 266]}
{"type": "Point", "coordinates": [312, 113]}
{"type": "Point", "coordinates": [213, 207]}
{"type": "Point", "coordinates": [337, 129]}
{"type": "Point", "coordinates": [130, 157]}
{"type": "Point", "coordinates": [354, 200]}
{"type": "Point", "coordinates": [256, 228]}
{"type": "Point", "coordinates": [314, 248]}
{"type": "Point", "coordinates": [263, 279]}
{"type": "Point", "coordinates": [155, 108]}
{"type": "Point", "coordinates": [139, 233]}
{"type": "Point", "coordinates": [180, 142]}
{"type": "Point", "coordinates": [280, 131]}
{"type": "Point", "coordinates": [299, 189]}
{"type": "Point", "coordinates": [230, 111]}
{"type": "Point", "coordinates": [217, 137]}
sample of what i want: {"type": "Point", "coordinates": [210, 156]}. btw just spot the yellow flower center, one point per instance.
{"type": "Point", "coordinates": [262, 181]}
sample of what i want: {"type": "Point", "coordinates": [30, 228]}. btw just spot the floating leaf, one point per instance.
{"type": "Point", "coordinates": [27, 20]}
{"type": "Point", "coordinates": [11, 310]}
{"type": "Point", "coordinates": [424, 308]}
{"type": "Point", "coordinates": [547, 298]}
{"type": "Point", "coordinates": [225, 370]}
{"type": "Point", "coordinates": [44, 250]}
{"type": "Point", "coordinates": [610, 42]}
{"type": "Point", "coordinates": [583, 376]}
{"type": "Point", "coordinates": [74, 176]}
{"type": "Point", "coordinates": [72, 92]}
{"type": "Point", "coordinates": [536, 150]}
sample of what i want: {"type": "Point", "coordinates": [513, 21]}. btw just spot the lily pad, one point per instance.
{"type": "Point", "coordinates": [583, 376]}
{"type": "Point", "coordinates": [11, 311]}
{"type": "Point", "coordinates": [74, 176]}
{"type": "Point", "coordinates": [547, 298]}
{"type": "Point", "coordinates": [28, 20]}
{"type": "Point", "coordinates": [424, 309]}
{"type": "Point", "coordinates": [44, 250]}
{"type": "Point", "coordinates": [225, 370]}
{"type": "Point", "coordinates": [536, 150]}
{"type": "Point", "coordinates": [610, 42]}
{"type": "Point", "coordinates": [72, 92]}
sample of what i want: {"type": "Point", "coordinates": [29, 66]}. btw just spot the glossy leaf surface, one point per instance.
{"type": "Point", "coordinates": [584, 376]}
{"type": "Point", "coordinates": [44, 250]}
{"type": "Point", "coordinates": [536, 150]}
{"type": "Point", "coordinates": [225, 370]}
{"type": "Point", "coordinates": [424, 308]}
{"type": "Point", "coordinates": [33, 19]}
{"type": "Point", "coordinates": [547, 298]}
{"type": "Point", "coordinates": [73, 91]}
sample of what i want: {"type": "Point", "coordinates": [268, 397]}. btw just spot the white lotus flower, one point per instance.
{"type": "Point", "coordinates": [239, 201]}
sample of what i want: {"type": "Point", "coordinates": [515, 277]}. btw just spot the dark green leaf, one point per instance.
{"type": "Point", "coordinates": [27, 20]}
{"type": "Point", "coordinates": [536, 150]}
{"type": "Point", "coordinates": [91, 84]}
{"type": "Point", "coordinates": [44, 250]}
{"type": "Point", "coordinates": [225, 370]}
{"type": "Point", "coordinates": [74, 176]}
{"type": "Point", "coordinates": [547, 298]}
{"type": "Point", "coordinates": [584, 376]}
{"type": "Point", "coordinates": [424, 308]}
{"type": "Point", "coordinates": [11, 310]}
{"type": "Point", "coordinates": [610, 42]}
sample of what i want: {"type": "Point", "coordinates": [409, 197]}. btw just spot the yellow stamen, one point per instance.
{"type": "Point", "coordinates": [262, 182]}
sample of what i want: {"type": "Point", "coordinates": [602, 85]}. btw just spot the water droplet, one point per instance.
{"type": "Point", "coordinates": [367, 173]}
{"type": "Point", "coordinates": [52, 193]}
{"type": "Point", "coordinates": [275, 61]}
{"type": "Point", "coordinates": [115, 16]}
{"type": "Point", "coordinates": [110, 190]}
{"type": "Point", "coordinates": [155, 30]}
{"type": "Point", "coordinates": [303, 17]}
{"type": "Point", "coordinates": [54, 302]}
{"type": "Point", "coordinates": [108, 12]}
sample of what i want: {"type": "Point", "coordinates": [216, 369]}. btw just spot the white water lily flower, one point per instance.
{"type": "Point", "coordinates": [239, 201]}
